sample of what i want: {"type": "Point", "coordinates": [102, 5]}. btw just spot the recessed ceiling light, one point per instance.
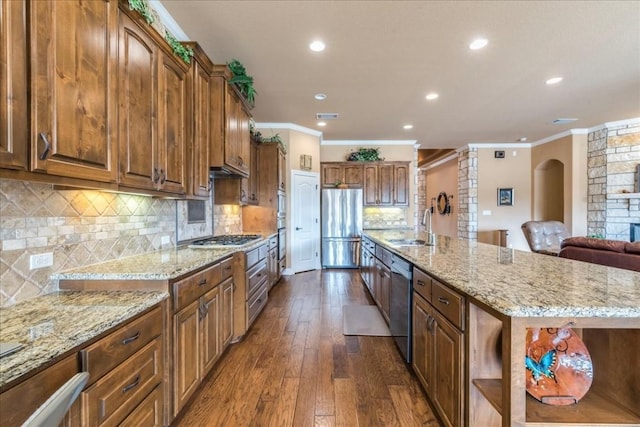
{"type": "Point", "coordinates": [432, 96]}
{"type": "Point", "coordinates": [478, 44]}
{"type": "Point", "coordinates": [322, 123]}
{"type": "Point", "coordinates": [320, 96]}
{"type": "Point", "coordinates": [408, 126]}
{"type": "Point", "coordinates": [317, 46]}
{"type": "Point", "coordinates": [523, 139]}
{"type": "Point", "coordinates": [554, 80]}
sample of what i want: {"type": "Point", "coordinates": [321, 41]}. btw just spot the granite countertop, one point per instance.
{"type": "Point", "coordinates": [160, 265]}
{"type": "Point", "coordinates": [51, 325]}
{"type": "Point", "coordinates": [522, 284]}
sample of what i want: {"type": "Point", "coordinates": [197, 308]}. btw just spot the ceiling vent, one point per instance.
{"type": "Point", "coordinates": [563, 121]}
{"type": "Point", "coordinates": [326, 116]}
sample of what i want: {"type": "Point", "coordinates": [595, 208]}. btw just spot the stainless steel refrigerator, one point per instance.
{"type": "Point", "coordinates": [341, 227]}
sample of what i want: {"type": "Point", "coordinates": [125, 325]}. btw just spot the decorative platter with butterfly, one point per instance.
{"type": "Point", "coordinates": [559, 369]}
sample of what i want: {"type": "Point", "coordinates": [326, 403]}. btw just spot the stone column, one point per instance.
{"type": "Point", "coordinates": [468, 194]}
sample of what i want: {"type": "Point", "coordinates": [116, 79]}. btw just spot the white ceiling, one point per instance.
{"type": "Point", "coordinates": [383, 57]}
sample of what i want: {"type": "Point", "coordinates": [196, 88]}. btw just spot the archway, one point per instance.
{"type": "Point", "coordinates": [548, 191]}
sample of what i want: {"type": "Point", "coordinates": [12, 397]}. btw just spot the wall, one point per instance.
{"type": "Point", "coordinates": [510, 172]}
{"type": "Point", "coordinates": [571, 151]}
{"type": "Point", "coordinates": [440, 178]}
{"type": "Point", "coordinates": [383, 216]}
{"type": "Point", "coordinates": [79, 227]}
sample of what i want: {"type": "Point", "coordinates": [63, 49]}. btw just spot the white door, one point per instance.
{"type": "Point", "coordinates": [305, 221]}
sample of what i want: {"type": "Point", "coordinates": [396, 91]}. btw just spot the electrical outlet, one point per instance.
{"type": "Point", "coordinates": [165, 240]}
{"type": "Point", "coordinates": [41, 260]}
{"type": "Point", "coordinates": [486, 212]}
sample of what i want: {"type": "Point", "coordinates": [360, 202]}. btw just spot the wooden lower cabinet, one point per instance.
{"type": "Point", "coordinates": [202, 328]}
{"type": "Point", "coordinates": [148, 413]}
{"type": "Point", "coordinates": [438, 360]}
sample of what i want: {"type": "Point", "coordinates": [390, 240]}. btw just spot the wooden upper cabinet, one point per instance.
{"type": "Point", "coordinates": [282, 171]}
{"type": "Point", "coordinates": [172, 121]}
{"type": "Point", "coordinates": [401, 180]}
{"type": "Point", "coordinates": [138, 86]}
{"type": "Point", "coordinates": [386, 184]}
{"type": "Point", "coordinates": [73, 76]}
{"type": "Point", "coordinates": [230, 152]}
{"type": "Point", "coordinates": [202, 134]}
{"type": "Point", "coordinates": [349, 173]}
{"type": "Point", "coordinates": [14, 137]}
{"type": "Point", "coordinates": [153, 95]}
{"type": "Point", "coordinates": [370, 187]}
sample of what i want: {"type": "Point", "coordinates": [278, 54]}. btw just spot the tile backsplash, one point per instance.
{"type": "Point", "coordinates": [385, 217]}
{"type": "Point", "coordinates": [82, 227]}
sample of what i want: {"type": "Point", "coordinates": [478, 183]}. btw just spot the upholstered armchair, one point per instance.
{"type": "Point", "coordinates": [545, 236]}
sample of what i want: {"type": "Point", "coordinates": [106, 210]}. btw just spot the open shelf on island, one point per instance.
{"type": "Point", "coordinates": [592, 409]}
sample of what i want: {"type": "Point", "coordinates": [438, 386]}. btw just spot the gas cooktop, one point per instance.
{"type": "Point", "coordinates": [225, 241]}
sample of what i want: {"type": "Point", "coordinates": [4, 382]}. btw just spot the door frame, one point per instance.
{"type": "Point", "coordinates": [291, 235]}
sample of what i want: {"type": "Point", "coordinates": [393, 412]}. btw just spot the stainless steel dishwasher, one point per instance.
{"type": "Point", "coordinates": [400, 305]}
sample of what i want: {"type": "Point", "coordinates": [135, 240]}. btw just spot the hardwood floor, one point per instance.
{"type": "Point", "coordinates": [295, 368]}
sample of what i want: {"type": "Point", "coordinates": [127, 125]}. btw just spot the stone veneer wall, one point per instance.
{"type": "Point", "coordinates": [468, 194]}
{"type": "Point", "coordinates": [79, 227]}
{"type": "Point", "coordinates": [421, 186]}
{"type": "Point", "coordinates": [613, 155]}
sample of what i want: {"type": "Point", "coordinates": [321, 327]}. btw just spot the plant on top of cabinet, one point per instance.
{"type": "Point", "coordinates": [243, 82]}
{"type": "Point", "coordinates": [149, 15]}
{"type": "Point", "coordinates": [365, 155]}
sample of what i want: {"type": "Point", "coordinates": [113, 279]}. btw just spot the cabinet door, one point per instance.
{"type": "Point", "coordinates": [172, 116]}
{"type": "Point", "coordinates": [210, 330]}
{"type": "Point", "coordinates": [252, 181]}
{"type": "Point", "coordinates": [186, 353]}
{"type": "Point", "coordinates": [137, 82]}
{"type": "Point", "coordinates": [73, 76]}
{"type": "Point", "coordinates": [401, 185]}
{"type": "Point", "coordinates": [423, 342]}
{"type": "Point", "coordinates": [370, 185]}
{"type": "Point", "coordinates": [377, 276]}
{"type": "Point", "coordinates": [353, 175]}
{"type": "Point", "coordinates": [282, 170]}
{"type": "Point", "coordinates": [385, 184]}
{"type": "Point", "coordinates": [14, 138]}
{"type": "Point", "coordinates": [384, 288]}
{"type": "Point", "coordinates": [236, 155]}
{"type": "Point", "coordinates": [227, 312]}
{"type": "Point", "coordinates": [331, 174]}
{"type": "Point", "coordinates": [244, 140]}
{"type": "Point", "coordinates": [447, 385]}
{"type": "Point", "coordinates": [202, 138]}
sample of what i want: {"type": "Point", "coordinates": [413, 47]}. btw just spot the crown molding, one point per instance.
{"type": "Point", "coordinates": [174, 28]}
{"type": "Point", "coordinates": [441, 161]}
{"type": "Point", "coordinates": [370, 142]}
{"type": "Point", "coordinates": [290, 126]}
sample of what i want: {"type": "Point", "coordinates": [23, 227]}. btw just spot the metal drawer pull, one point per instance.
{"type": "Point", "coordinates": [132, 385]}
{"type": "Point", "coordinates": [443, 301]}
{"type": "Point", "coordinates": [420, 283]}
{"type": "Point", "coordinates": [47, 146]}
{"type": "Point", "coordinates": [131, 338]}
{"type": "Point", "coordinates": [202, 282]}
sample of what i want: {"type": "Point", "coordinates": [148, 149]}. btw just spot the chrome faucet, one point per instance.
{"type": "Point", "coordinates": [426, 221]}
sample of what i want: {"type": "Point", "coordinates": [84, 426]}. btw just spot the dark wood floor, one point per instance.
{"type": "Point", "coordinates": [295, 368]}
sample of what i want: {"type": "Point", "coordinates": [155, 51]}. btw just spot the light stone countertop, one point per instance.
{"type": "Point", "coordinates": [51, 325]}
{"type": "Point", "coordinates": [522, 284]}
{"type": "Point", "coordinates": [160, 265]}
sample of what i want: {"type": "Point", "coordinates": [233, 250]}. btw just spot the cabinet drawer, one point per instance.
{"type": "Point", "coordinates": [255, 275]}
{"type": "Point", "coordinates": [148, 413]}
{"type": "Point", "coordinates": [19, 402]}
{"type": "Point", "coordinates": [262, 251]}
{"type": "Point", "coordinates": [115, 395]}
{"type": "Point", "coordinates": [257, 302]}
{"type": "Point", "coordinates": [383, 255]}
{"type": "Point", "coordinates": [252, 257]}
{"type": "Point", "coordinates": [273, 242]}
{"type": "Point", "coordinates": [226, 269]}
{"type": "Point", "coordinates": [110, 351]}
{"type": "Point", "coordinates": [449, 303]}
{"type": "Point", "coordinates": [422, 284]}
{"type": "Point", "coordinates": [188, 290]}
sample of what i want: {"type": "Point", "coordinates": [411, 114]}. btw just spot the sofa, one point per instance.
{"type": "Point", "coordinates": [614, 253]}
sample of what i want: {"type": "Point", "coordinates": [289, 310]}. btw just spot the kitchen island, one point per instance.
{"type": "Point", "coordinates": [507, 291]}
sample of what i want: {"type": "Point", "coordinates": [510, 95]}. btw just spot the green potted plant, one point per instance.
{"type": "Point", "coordinates": [243, 82]}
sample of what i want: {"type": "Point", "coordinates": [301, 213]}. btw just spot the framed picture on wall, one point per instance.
{"type": "Point", "coordinates": [505, 196]}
